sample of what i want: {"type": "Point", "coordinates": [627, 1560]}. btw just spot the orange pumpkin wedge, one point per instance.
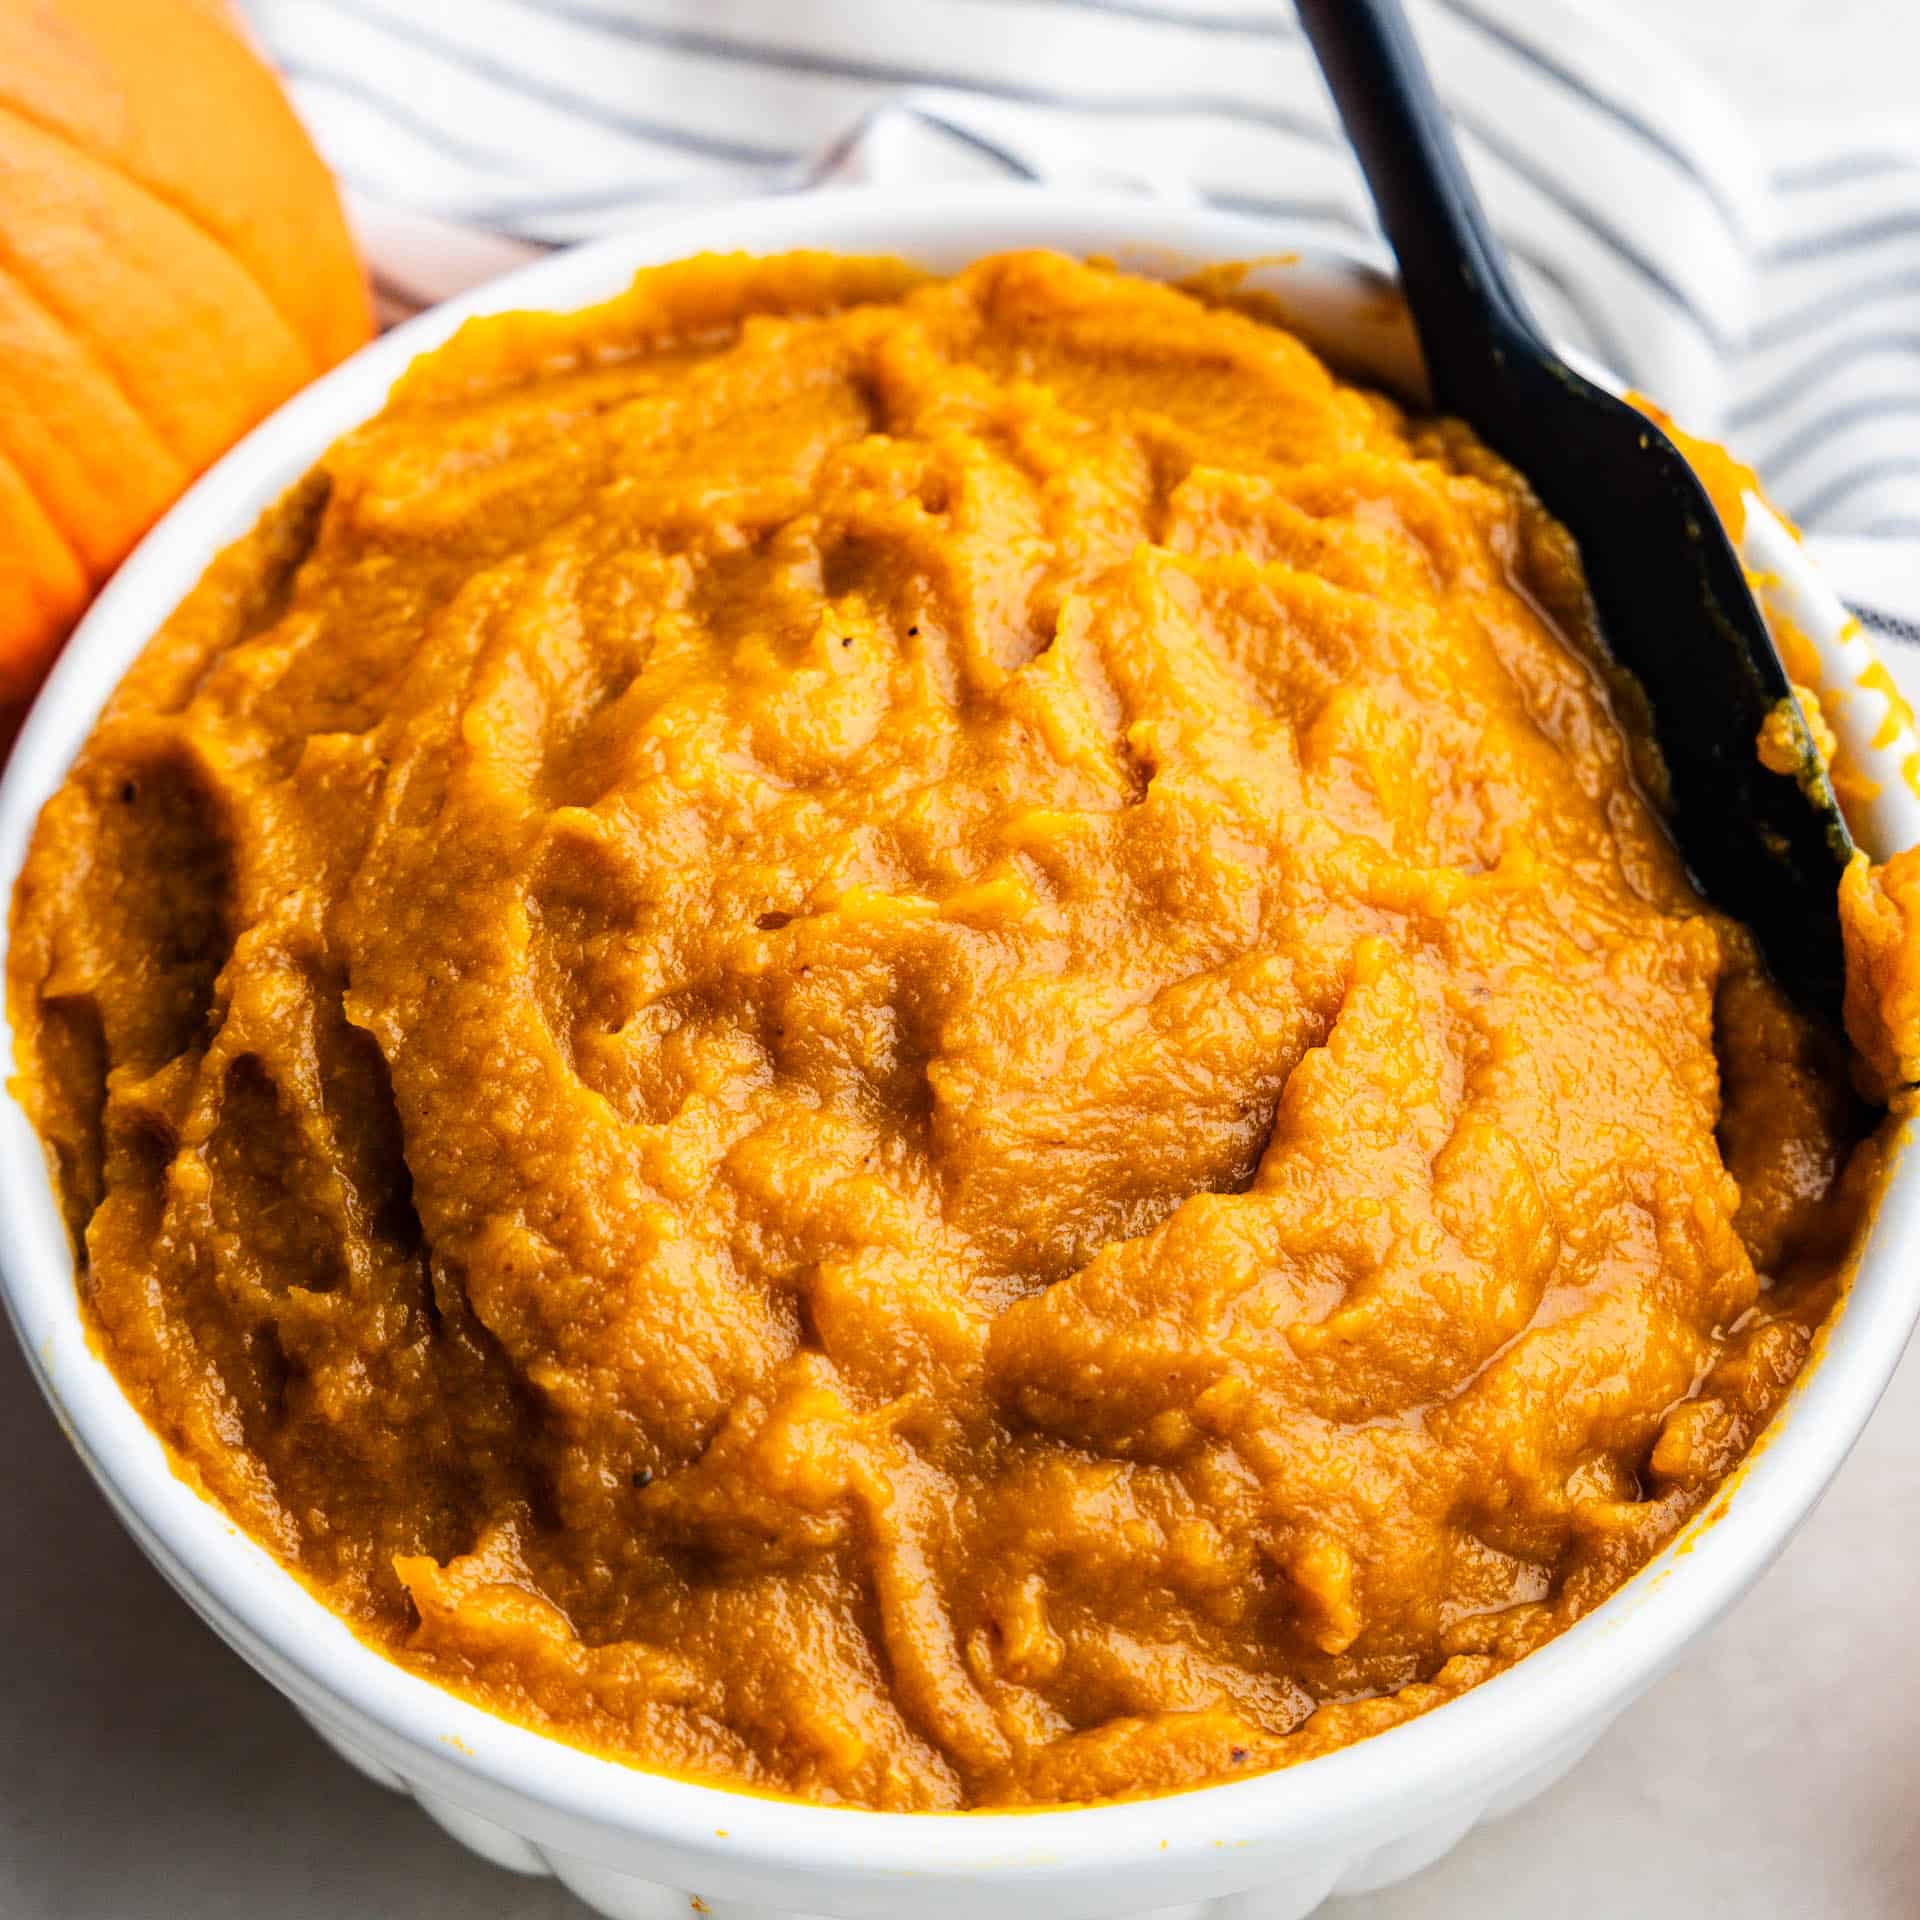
{"type": "Point", "coordinates": [174, 263]}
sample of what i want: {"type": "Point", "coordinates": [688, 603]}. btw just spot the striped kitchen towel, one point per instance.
{"type": "Point", "coordinates": [1766, 292]}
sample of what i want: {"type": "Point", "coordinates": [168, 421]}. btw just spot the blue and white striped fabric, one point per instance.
{"type": "Point", "coordinates": [1768, 297]}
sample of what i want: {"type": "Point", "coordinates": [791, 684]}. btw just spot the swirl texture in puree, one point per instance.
{"type": "Point", "coordinates": [918, 1042]}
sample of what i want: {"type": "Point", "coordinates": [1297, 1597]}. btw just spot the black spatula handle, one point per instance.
{"type": "Point", "coordinates": [1673, 602]}
{"type": "Point", "coordinates": [1469, 312]}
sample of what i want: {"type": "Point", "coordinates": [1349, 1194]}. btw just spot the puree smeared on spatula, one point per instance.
{"type": "Point", "coordinates": [918, 1041]}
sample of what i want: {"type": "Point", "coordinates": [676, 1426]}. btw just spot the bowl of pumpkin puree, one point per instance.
{"type": "Point", "coordinates": [902, 1028]}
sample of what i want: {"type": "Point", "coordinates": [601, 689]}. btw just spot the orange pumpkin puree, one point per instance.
{"type": "Point", "coordinates": [919, 1042]}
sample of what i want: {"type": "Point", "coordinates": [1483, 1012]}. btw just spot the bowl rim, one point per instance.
{"type": "Point", "coordinates": [1229, 1833]}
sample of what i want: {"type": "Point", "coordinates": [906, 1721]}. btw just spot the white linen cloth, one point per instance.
{"type": "Point", "coordinates": [1767, 296]}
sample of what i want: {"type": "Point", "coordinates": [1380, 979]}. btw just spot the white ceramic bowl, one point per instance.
{"type": "Point", "coordinates": [635, 1844]}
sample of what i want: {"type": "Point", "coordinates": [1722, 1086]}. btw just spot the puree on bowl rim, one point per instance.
{"type": "Point", "coordinates": [920, 1042]}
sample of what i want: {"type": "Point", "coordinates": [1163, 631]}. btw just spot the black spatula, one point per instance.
{"type": "Point", "coordinates": [1673, 603]}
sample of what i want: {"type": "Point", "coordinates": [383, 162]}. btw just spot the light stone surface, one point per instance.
{"type": "Point", "coordinates": [145, 1774]}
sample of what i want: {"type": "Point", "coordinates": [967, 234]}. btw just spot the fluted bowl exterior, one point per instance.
{"type": "Point", "coordinates": [640, 1846]}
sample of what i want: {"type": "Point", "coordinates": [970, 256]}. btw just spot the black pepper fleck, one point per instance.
{"type": "Point", "coordinates": [643, 1476]}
